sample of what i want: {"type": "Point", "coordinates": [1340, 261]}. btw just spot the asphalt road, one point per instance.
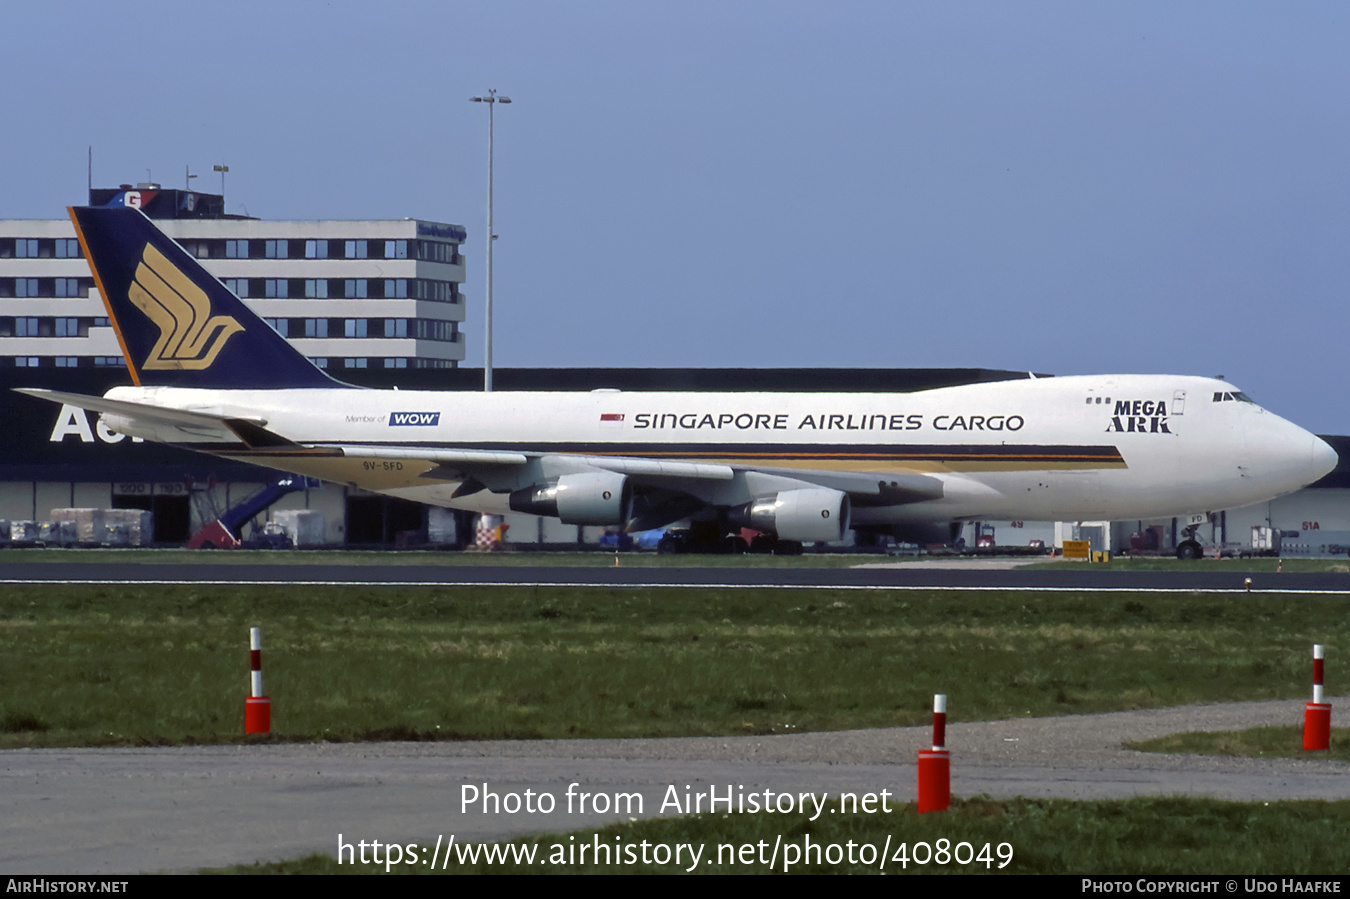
{"type": "Point", "coordinates": [1207, 576]}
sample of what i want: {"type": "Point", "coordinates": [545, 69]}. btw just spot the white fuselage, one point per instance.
{"type": "Point", "coordinates": [1109, 447]}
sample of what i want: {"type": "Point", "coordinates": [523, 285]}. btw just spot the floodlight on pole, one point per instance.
{"type": "Point", "coordinates": [222, 169]}
{"type": "Point", "coordinates": [491, 100]}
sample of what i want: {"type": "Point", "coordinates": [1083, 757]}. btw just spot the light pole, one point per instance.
{"type": "Point", "coordinates": [222, 169]}
{"type": "Point", "coordinates": [491, 100]}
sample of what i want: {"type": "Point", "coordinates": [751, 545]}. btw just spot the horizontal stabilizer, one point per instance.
{"type": "Point", "coordinates": [194, 424]}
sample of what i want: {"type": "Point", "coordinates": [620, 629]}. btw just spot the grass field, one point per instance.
{"type": "Point", "coordinates": [1257, 742]}
{"type": "Point", "coordinates": [130, 665]}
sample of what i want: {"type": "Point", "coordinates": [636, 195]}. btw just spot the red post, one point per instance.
{"type": "Point", "coordinates": [257, 707]}
{"type": "Point", "coordinates": [935, 781]}
{"type": "Point", "coordinates": [1317, 714]}
{"type": "Point", "coordinates": [939, 721]}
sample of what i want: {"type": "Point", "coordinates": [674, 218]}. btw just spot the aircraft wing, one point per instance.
{"type": "Point", "coordinates": [656, 491]}
{"type": "Point", "coordinates": [507, 469]}
{"type": "Point", "coordinates": [468, 461]}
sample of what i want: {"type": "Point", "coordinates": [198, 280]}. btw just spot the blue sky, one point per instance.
{"type": "Point", "coordinates": [1065, 187]}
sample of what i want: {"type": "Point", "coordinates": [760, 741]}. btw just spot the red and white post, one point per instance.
{"type": "Point", "coordinates": [257, 707]}
{"type": "Point", "coordinates": [935, 773]}
{"type": "Point", "coordinates": [1317, 714]}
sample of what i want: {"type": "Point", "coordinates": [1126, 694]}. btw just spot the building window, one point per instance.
{"type": "Point", "coordinates": [276, 249]}
{"type": "Point", "coordinates": [236, 249]}
{"type": "Point", "coordinates": [396, 363]}
{"type": "Point", "coordinates": [320, 361]}
{"type": "Point", "coordinates": [26, 361]}
{"type": "Point", "coordinates": [69, 327]}
{"type": "Point", "coordinates": [25, 287]}
{"type": "Point", "coordinates": [108, 361]}
{"type": "Point", "coordinates": [276, 288]}
{"type": "Point", "coordinates": [396, 288]}
{"type": "Point", "coordinates": [67, 361]}
{"type": "Point", "coordinates": [25, 327]}
{"type": "Point", "coordinates": [68, 248]}
{"type": "Point", "coordinates": [316, 249]}
{"type": "Point", "coordinates": [395, 249]}
{"type": "Point", "coordinates": [355, 327]}
{"type": "Point", "coordinates": [441, 291]}
{"type": "Point", "coordinates": [353, 363]}
{"type": "Point", "coordinates": [316, 288]}
{"type": "Point", "coordinates": [395, 327]}
{"type": "Point", "coordinates": [316, 327]}
{"type": "Point", "coordinates": [356, 249]}
{"type": "Point", "coordinates": [430, 329]}
{"type": "Point", "coordinates": [280, 325]}
{"type": "Point", "coordinates": [26, 248]}
{"type": "Point", "coordinates": [238, 287]}
{"type": "Point", "coordinates": [355, 288]}
{"type": "Point", "coordinates": [436, 251]}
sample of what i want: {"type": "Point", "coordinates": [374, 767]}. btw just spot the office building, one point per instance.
{"type": "Point", "coordinates": [382, 294]}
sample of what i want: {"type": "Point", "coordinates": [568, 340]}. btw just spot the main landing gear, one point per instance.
{"type": "Point", "coordinates": [1189, 550]}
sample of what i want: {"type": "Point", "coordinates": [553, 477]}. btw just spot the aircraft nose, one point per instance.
{"type": "Point", "coordinates": [1293, 457]}
{"type": "Point", "coordinates": [1324, 458]}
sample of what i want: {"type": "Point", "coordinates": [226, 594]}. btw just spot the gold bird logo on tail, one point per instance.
{"type": "Point", "coordinates": [190, 337]}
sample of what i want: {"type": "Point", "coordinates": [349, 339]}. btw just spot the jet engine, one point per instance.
{"type": "Point", "coordinates": [807, 516]}
{"type": "Point", "coordinates": [593, 497]}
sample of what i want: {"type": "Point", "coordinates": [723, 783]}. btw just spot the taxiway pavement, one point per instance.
{"type": "Point", "coordinates": [1206, 576]}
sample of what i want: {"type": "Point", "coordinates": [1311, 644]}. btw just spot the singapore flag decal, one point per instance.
{"type": "Point", "coordinates": [611, 419]}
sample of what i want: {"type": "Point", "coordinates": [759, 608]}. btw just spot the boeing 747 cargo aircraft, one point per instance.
{"type": "Point", "coordinates": [210, 375]}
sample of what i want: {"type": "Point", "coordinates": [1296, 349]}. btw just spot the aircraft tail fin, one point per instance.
{"type": "Point", "coordinates": [178, 325]}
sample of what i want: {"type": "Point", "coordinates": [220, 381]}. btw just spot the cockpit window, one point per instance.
{"type": "Point", "coordinates": [1235, 396]}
